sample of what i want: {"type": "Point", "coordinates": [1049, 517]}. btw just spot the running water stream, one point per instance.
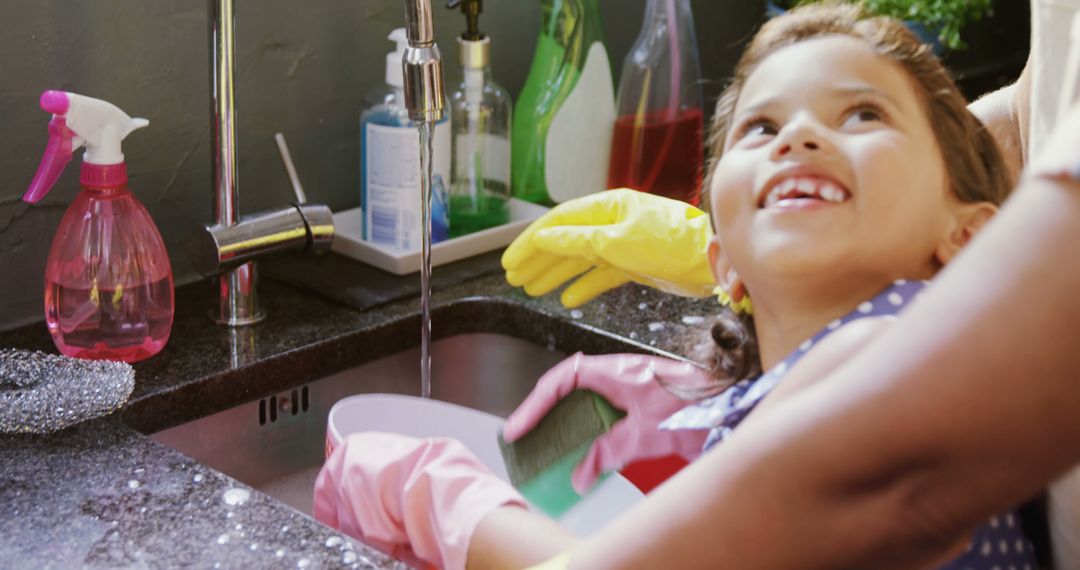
{"type": "Point", "coordinates": [426, 131]}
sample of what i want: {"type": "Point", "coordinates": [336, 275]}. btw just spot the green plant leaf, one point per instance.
{"type": "Point", "coordinates": [948, 17]}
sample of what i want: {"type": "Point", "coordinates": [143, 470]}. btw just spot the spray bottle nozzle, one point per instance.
{"type": "Point", "coordinates": [55, 102]}
{"type": "Point", "coordinates": [79, 120]}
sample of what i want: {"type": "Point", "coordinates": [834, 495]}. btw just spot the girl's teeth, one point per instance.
{"type": "Point", "coordinates": [831, 193]}
{"type": "Point", "coordinates": [811, 187]}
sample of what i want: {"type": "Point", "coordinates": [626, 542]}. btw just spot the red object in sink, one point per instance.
{"type": "Point", "coordinates": [649, 474]}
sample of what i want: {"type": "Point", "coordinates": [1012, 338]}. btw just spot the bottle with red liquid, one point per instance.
{"type": "Point", "coordinates": [108, 282]}
{"type": "Point", "coordinates": [658, 141]}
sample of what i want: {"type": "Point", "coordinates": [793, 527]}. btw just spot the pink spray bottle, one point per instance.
{"type": "Point", "coordinates": [108, 283]}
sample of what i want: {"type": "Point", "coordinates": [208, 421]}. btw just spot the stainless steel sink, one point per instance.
{"type": "Point", "coordinates": [275, 444]}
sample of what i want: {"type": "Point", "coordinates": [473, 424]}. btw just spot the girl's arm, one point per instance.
{"type": "Point", "coordinates": [966, 406]}
{"type": "Point", "coordinates": [512, 537]}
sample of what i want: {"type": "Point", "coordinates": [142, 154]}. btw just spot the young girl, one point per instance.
{"type": "Point", "coordinates": [846, 170]}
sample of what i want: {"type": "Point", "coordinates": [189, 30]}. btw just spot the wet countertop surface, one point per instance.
{"type": "Point", "coordinates": [104, 494]}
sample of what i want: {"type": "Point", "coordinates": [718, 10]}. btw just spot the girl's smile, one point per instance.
{"type": "Point", "coordinates": [800, 187]}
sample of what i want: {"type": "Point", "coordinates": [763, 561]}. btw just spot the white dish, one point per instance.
{"type": "Point", "coordinates": [349, 241]}
{"type": "Point", "coordinates": [418, 417]}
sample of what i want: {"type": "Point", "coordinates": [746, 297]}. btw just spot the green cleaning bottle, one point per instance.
{"type": "Point", "coordinates": [563, 119]}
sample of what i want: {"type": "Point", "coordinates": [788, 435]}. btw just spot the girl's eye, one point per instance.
{"type": "Point", "coordinates": [865, 114]}
{"type": "Point", "coordinates": [759, 127]}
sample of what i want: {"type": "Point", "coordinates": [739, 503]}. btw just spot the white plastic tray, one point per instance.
{"type": "Point", "coordinates": [348, 240]}
{"type": "Point", "coordinates": [418, 417]}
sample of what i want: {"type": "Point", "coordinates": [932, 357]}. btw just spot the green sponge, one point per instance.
{"type": "Point", "coordinates": [541, 463]}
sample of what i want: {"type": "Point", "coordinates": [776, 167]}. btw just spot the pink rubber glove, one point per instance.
{"type": "Point", "coordinates": [629, 382]}
{"type": "Point", "coordinates": [415, 499]}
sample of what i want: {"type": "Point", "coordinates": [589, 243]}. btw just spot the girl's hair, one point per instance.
{"type": "Point", "coordinates": [972, 159]}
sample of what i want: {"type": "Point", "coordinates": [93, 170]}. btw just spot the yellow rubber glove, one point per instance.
{"type": "Point", "coordinates": [616, 237]}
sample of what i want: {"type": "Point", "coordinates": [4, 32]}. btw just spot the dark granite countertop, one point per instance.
{"type": "Point", "coordinates": [104, 494]}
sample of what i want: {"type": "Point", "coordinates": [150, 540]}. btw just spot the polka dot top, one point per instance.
{"type": "Point", "coordinates": [1000, 543]}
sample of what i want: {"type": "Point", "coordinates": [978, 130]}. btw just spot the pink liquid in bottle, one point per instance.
{"type": "Point", "coordinates": [659, 155]}
{"type": "Point", "coordinates": [108, 283]}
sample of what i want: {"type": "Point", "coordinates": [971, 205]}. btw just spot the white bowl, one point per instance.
{"type": "Point", "coordinates": [418, 417]}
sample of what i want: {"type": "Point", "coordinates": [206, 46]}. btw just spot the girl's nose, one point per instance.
{"type": "Point", "coordinates": [797, 137]}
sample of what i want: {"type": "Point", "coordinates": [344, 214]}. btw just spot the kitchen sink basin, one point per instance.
{"type": "Point", "coordinates": [275, 443]}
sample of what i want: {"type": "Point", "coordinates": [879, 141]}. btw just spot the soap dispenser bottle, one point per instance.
{"type": "Point", "coordinates": [564, 116]}
{"type": "Point", "coordinates": [108, 282]}
{"type": "Point", "coordinates": [390, 164]}
{"type": "Point", "coordinates": [658, 144]}
{"type": "Point", "coordinates": [480, 116]}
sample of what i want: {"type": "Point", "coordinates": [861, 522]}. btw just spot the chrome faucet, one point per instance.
{"type": "Point", "coordinates": [422, 65]}
{"type": "Point", "coordinates": [229, 246]}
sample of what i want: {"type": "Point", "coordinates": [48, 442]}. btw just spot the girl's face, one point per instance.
{"type": "Point", "coordinates": [830, 168]}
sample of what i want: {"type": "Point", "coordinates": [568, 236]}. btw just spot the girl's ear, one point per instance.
{"type": "Point", "coordinates": [726, 276]}
{"type": "Point", "coordinates": [969, 219]}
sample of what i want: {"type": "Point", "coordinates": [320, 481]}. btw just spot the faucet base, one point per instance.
{"type": "Point", "coordinates": [238, 298]}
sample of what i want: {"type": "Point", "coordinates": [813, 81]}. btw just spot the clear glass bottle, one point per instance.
{"type": "Point", "coordinates": [563, 117]}
{"type": "Point", "coordinates": [480, 170]}
{"type": "Point", "coordinates": [658, 140]}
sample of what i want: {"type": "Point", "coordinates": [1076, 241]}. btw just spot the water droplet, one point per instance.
{"type": "Point", "coordinates": [656, 327]}
{"type": "Point", "coordinates": [236, 496]}
{"type": "Point", "coordinates": [285, 529]}
{"type": "Point", "coordinates": [229, 515]}
{"type": "Point", "coordinates": [693, 320]}
{"type": "Point", "coordinates": [217, 565]}
{"type": "Point", "coordinates": [333, 541]}
{"type": "Point", "coordinates": [280, 553]}
{"type": "Point", "coordinates": [254, 546]}
{"type": "Point", "coordinates": [642, 306]}
{"type": "Point", "coordinates": [303, 563]}
{"type": "Point", "coordinates": [349, 557]}
{"type": "Point", "coordinates": [223, 539]}
{"type": "Point", "coordinates": [239, 526]}
{"type": "Point", "coordinates": [197, 478]}
{"type": "Point", "coordinates": [140, 470]}
{"type": "Point", "coordinates": [133, 484]}
{"type": "Point", "coordinates": [633, 335]}
{"type": "Point", "coordinates": [576, 314]}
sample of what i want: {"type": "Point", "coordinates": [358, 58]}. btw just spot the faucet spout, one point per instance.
{"type": "Point", "coordinates": [422, 65]}
{"type": "Point", "coordinates": [418, 23]}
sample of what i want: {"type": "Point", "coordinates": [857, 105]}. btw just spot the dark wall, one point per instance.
{"type": "Point", "coordinates": [302, 69]}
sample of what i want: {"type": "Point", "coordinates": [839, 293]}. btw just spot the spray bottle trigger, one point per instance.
{"type": "Point", "coordinates": [57, 155]}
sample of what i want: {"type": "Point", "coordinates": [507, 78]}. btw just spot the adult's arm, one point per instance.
{"type": "Point", "coordinates": [1006, 114]}
{"type": "Point", "coordinates": [968, 405]}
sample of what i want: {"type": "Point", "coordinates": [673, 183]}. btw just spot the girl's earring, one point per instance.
{"type": "Point", "coordinates": [742, 306]}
